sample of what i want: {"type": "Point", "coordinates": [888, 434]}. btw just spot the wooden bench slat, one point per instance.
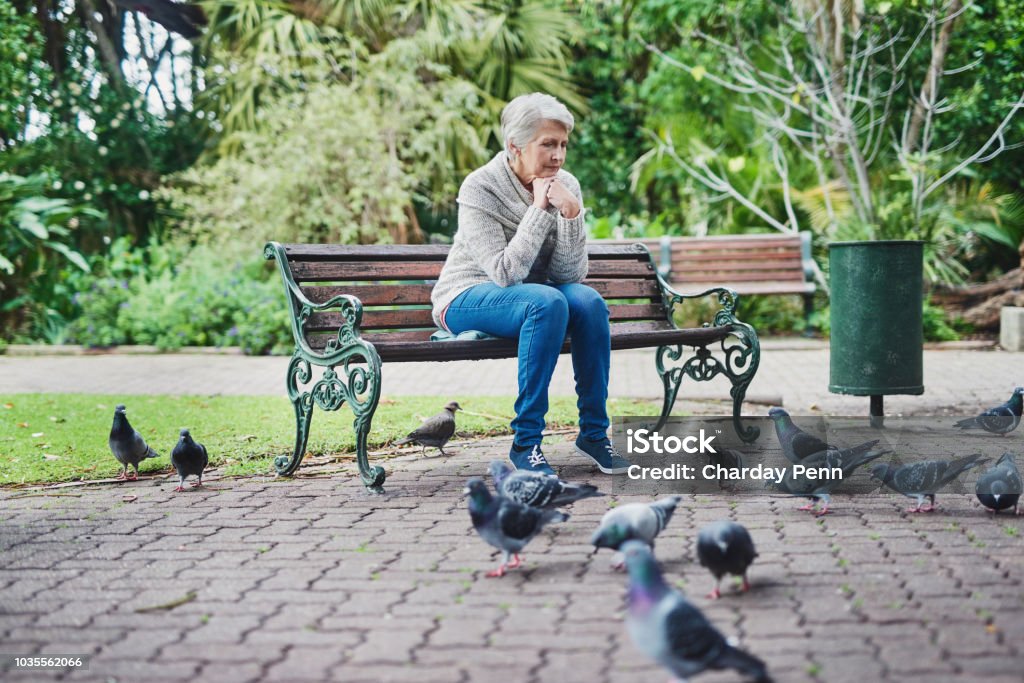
{"type": "Point", "coordinates": [374, 295]}
{"type": "Point", "coordinates": [734, 266]}
{"type": "Point", "coordinates": [733, 243]}
{"type": "Point", "coordinates": [745, 288]}
{"type": "Point", "coordinates": [626, 289]}
{"type": "Point", "coordinates": [775, 276]}
{"type": "Point", "coordinates": [375, 271]}
{"type": "Point", "coordinates": [415, 318]}
{"type": "Point", "coordinates": [422, 252]}
{"type": "Point", "coordinates": [413, 294]}
{"type": "Point", "coordinates": [748, 256]}
{"type": "Point", "coordinates": [624, 336]}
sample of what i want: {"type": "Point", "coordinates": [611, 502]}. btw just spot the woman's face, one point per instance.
{"type": "Point", "coordinates": [545, 153]}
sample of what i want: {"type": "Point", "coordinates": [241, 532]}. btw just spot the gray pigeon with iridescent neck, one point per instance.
{"type": "Point", "coordinates": [127, 445]}
{"type": "Point", "coordinates": [999, 420]}
{"type": "Point", "coordinates": [798, 444]}
{"type": "Point", "coordinates": [671, 631]}
{"type": "Point", "coordinates": [506, 524]}
{"type": "Point", "coordinates": [537, 489]}
{"type": "Point", "coordinates": [435, 431]}
{"type": "Point", "coordinates": [1000, 486]}
{"type": "Point", "coordinates": [920, 480]}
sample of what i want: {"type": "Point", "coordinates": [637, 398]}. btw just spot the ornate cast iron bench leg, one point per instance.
{"type": "Point", "coordinates": [739, 364]}
{"type": "Point", "coordinates": [362, 392]}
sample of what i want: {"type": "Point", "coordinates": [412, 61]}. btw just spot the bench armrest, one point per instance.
{"type": "Point", "coordinates": [301, 308]}
{"type": "Point", "coordinates": [728, 299]}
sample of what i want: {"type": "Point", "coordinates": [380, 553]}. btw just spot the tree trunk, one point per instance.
{"type": "Point", "coordinates": [109, 45]}
{"type": "Point", "coordinates": [930, 88]}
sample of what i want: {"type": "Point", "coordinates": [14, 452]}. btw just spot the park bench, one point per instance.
{"type": "Point", "coordinates": [354, 308]}
{"type": "Point", "coordinates": [747, 264]}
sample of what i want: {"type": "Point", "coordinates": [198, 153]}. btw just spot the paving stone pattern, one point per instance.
{"type": "Point", "coordinates": [311, 579]}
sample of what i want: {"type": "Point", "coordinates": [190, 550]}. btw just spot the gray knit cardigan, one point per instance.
{"type": "Point", "coordinates": [504, 239]}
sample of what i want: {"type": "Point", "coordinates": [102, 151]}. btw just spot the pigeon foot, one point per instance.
{"type": "Point", "coordinates": [515, 562]}
{"type": "Point", "coordinates": [179, 488]}
{"type": "Point", "coordinates": [746, 585]}
{"type": "Point", "coordinates": [822, 511]}
{"type": "Point", "coordinates": [196, 484]}
{"type": "Point", "coordinates": [123, 476]}
{"type": "Point", "coordinates": [132, 477]}
{"type": "Point", "coordinates": [496, 573]}
{"type": "Point", "coordinates": [807, 508]}
{"type": "Point", "coordinates": [715, 594]}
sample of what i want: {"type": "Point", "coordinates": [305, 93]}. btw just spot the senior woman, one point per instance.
{"type": "Point", "coordinates": [515, 268]}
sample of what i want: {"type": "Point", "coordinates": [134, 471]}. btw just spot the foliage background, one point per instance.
{"type": "Point", "coordinates": [141, 172]}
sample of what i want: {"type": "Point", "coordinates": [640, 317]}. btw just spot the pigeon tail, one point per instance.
{"type": "Point", "coordinates": [969, 423]}
{"type": "Point", "coordinates": [965, 463]}
{"type": "Point", "coordinates": [575, 492]}
{"type": "Point", "coordinates": [747, 664]}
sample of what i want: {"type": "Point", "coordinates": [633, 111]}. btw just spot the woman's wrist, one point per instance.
{"type": "Point", "coordinates": [570, 212]}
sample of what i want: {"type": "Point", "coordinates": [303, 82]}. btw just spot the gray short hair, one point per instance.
{"type": "Point", "coordinates": [521, 117]}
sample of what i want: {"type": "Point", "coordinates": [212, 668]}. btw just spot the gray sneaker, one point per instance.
{"type": "Point", "coordinates": [603, 453]}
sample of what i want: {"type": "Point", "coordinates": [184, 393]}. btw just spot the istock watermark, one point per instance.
{"type": "Point", "coordinates": [803, 456]}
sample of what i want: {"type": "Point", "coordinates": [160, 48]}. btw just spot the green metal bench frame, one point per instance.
{"type": "Point", "coordinates": [351, 338]}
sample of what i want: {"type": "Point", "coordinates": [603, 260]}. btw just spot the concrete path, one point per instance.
{"type": "Point", "coordinates": [792, 372]}
{"type": "Point", "coordinates": [312, 580]}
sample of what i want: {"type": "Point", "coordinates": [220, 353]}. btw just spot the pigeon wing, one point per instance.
{"type": "Point", "coordinates": [804, 444]}
{"type": "Point", "coordinates": [692, 642]}
{"type": "Point", "coordinates": [919, 477]}
{"type": "Point", "coordinates": [529, 490]}
{"type": "Point", "coordinates": [437, 427]}
{"type": "Point", "coordinates": [517, 521]}
{"type": "Point", "coordinates": [997, 420]}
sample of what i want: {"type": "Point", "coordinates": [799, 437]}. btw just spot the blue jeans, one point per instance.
{"type": "Point", "coordinates": [540, 316]}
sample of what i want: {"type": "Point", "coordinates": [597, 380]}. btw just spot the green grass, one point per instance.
{"type": "Point", "coordinates": [63, 437]}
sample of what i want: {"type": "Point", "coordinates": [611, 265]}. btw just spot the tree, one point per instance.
{"type": "Point", "coordinates": [829, 89]}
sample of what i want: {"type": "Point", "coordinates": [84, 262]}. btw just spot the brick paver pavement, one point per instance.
{"type": "Point", "coordinates": [311, 579]}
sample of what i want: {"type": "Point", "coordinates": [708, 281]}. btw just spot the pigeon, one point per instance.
{"type": "Point", "coordinates": [506, 524]}
{"type": "Point", "coordinates": [1000, 486]}
{"type": "Point", "coordinates": [1000, 420]}
{"type": "Point", "coordinates": [189, 458]}
{"type": "Point", "coordinates": [798, 444]}
{"type": "Point", "coordinates": [127, 445]}
{"type": "Point", "coordinates": [537, 489]}
{"type": "Point", "coordinates": [725, 548]}
{"type": "Point", "coordinates": [435, 431]}
{"type": "Point", "coordinates": [923, 479]}
{"type": "Point", "coordinates": [821, 489]}
{"type": "Point", "coordinates": [634, 521]}
{"type": "Point", "coordinates": [671, 631]}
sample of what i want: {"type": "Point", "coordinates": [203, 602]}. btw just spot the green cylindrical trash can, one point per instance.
{"type": "Point", "coordinates": [876, 309]}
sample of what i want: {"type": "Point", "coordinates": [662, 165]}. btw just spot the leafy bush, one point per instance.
{"type": "Point", "coordinates": [184, 297]}
{"type": "Point", "coordinates": [37, 252]}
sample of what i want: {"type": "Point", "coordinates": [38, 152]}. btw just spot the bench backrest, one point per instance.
{"type": "Point", "coordinates": [393, 282]}
{"type": "Point", "coordinates": [750, 264]}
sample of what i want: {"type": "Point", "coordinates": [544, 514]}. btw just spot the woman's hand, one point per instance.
{"type": "Point", "coordinates": [561, 198]}
{"type": "Point", "coordinates": [541, 187]}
